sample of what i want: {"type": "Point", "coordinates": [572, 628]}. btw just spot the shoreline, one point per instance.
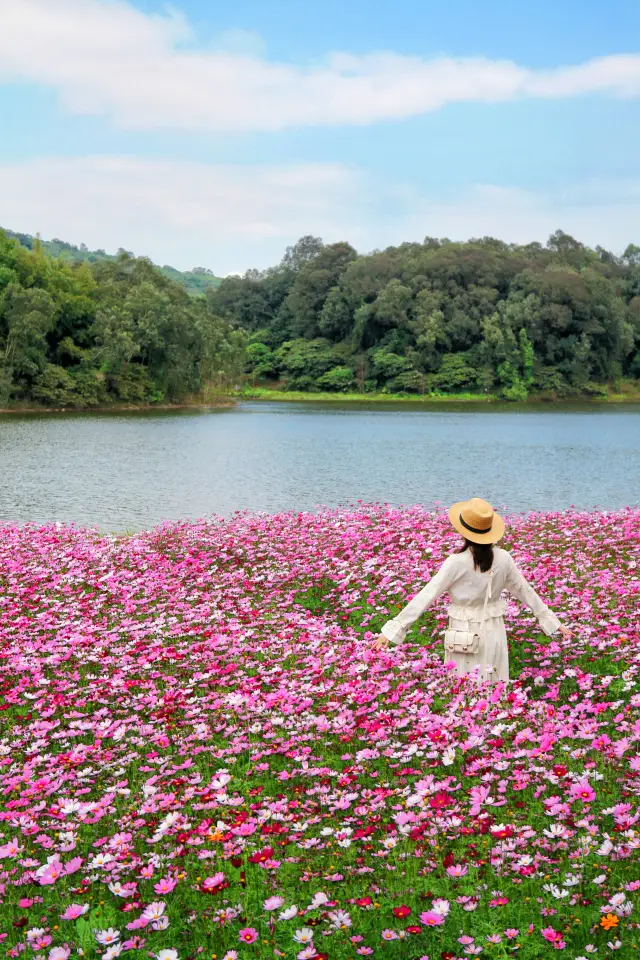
{"type": "Point", "coordinates": [261, 394]}
{"type": "Point", "coordinates": [120, 408]}
{"type": "Point", "coordinates": [298, 396]}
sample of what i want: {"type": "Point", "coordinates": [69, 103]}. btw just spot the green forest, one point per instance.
{"type": "Point", "coordinates": [194, 281]}
{"type": "Point", "coordinates": [442, 318]}
{"type": "Point", "coordinates": [74, 334]}
{"type": "Point", "coordinates": [436, 318]}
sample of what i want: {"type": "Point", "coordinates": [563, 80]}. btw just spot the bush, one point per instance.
{"type": "Point", "coordinates": [338, 379]}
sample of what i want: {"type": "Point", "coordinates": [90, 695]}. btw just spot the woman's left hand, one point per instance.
{"type": "Point", "coordinates": [566, 632]}
{"type": "Point", "coordinates": [380, 643]}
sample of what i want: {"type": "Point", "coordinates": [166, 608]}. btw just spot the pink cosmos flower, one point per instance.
{"type": "Point", "coordinates": [166, 885]}
{"type": "Point", "coordinates": [582, 791]}
{"type": "Point", "coordinates": [10, 849]}
{"type": "Point", "coordinates": [51, 873]}
{"type": "Point", "coordinates": [248, 935]}
{"type": "Point", "coordinates": [273, 903]}
{"type": "Point", "coordinates": [432, 919]}
{"type": "Point", "coordinates": [554, 937]}
{"type": "Point", "coordinates": [74, 910]}
{"type": "Point", "coordinates": [211, 883]}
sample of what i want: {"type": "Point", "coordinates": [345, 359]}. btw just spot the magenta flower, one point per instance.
{"type": "Point", "coordinates": [582, 791]}
{"type": "Point", "coordinates": [248, 935]}
{"type": "Point", "coordinates": [432, 919]}
{"type": "Point", "coordinates": [74, 910]}
{"type": "Point", "coordinates": [166, 885]}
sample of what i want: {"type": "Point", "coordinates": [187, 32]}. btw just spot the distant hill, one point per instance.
{"type": "Point", "coordinates": [194, 281]}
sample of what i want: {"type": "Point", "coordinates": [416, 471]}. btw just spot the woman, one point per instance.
{"type": "Point", "coordinates": [474, 578]}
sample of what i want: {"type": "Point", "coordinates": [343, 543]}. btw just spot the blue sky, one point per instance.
{"type": "Point", "coordinates": [216, 133]}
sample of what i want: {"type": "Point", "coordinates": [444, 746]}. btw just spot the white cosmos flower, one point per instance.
{"type": "Point", "coordinates": [304, 935]}
{"type": "Point", "coordinates": [155, 910]}
{"type": "Point", "coordinates": [220, 781]}
{"type": "Point", "coordinates": [107, 937]}
{"type": "Point", "coordinates": [555, 891]}
{"type": "Point", "coordinates": [113, 951]}
{"type": "Point", "coordinates": [117, 889]}
{"type": "Point", "coordinates": [340, 919]}
{"type": "Point", "coordinates": [571, 880]}
{"type": "Point", "coordinates": [617, 899]}
{"type": "Point", "coordinates": [449, 756]}
{"type": "Point", "coordinates": [289, 913]}
{"type": "Point", "coordinates": [319, 899]}
{"type": "Point", "coordinates": [100, 860]}
{"type": "Point", "coordinates": [441, 906]}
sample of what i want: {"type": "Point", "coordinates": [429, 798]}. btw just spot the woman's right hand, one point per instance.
{"type": "Point", "coordinates": [566, 632]}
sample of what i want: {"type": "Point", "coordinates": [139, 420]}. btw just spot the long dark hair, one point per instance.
{"type": "Point", "coordinates": [482, 554]}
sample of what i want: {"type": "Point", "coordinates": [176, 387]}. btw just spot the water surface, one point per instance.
{"type": "Point", "coordinates": [129, 471]}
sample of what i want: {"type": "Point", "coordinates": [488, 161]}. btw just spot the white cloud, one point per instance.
{"type": "Point", "coordinates": [183, 213]}
{"type": "Point", "coordinates": [233, 218]}
{"type": "Point", "coordinates": [145, 72]}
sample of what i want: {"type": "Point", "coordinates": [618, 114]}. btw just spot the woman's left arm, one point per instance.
{"type": "Point", "coordinates": [395, 630]}
{"type": "Point", "coordinates": [518, 587]}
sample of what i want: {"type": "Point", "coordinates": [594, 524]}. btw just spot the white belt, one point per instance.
{"type": "Point", "coordinates": [473, 611]}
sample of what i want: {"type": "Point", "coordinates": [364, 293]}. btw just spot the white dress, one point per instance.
{"type": "Point", "coordinates": [467, 587]}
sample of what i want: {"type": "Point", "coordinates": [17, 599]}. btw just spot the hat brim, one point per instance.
{"type": "Point", "coordinates": [491, 536]}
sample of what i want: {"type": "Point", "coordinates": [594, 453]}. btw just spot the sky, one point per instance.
{"type": "Point", "coordinates": [210, 133]}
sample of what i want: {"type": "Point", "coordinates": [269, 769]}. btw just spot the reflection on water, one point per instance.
{"type": "Point", "coordinates": [128, 471]}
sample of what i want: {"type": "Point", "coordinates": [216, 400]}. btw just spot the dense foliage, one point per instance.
{"type": "Point", "coordinates": [194, 281]}
{"type": "Point", "coordinates": [117, 331]}
{"type": "Point", "coordinates": [201, 755]}
{"type": "Point", "coordinates": [439, 316]}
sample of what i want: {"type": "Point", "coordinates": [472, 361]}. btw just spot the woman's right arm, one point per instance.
{"type": "Point", "coordinates": [395, 630]}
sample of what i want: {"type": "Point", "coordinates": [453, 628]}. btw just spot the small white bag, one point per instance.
{"type": "Point", "coordinates": [464, 641]}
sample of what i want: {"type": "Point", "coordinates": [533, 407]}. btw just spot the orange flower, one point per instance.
{"type": "Point", "coordinates": [609, 921]}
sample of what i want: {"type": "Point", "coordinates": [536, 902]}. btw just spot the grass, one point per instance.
{"type": "Point", "coordinates": [626, 391]}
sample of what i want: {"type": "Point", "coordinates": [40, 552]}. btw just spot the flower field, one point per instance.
{"type": "Point", "coordinates": [200, 754]}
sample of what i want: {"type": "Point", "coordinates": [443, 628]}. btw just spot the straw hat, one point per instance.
{"type": "Point", "coordinates": [475, 519]}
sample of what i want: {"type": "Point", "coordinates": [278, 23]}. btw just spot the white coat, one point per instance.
{"type": "Point", "coordinates": [467, 587]}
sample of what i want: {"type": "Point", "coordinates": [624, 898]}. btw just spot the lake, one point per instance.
{"type": "Point", "coordinates": [129, 471]}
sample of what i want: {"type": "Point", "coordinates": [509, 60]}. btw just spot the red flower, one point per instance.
{"type": "Point", "coordinates": [440, 800]}
{"type": "Point", "coordinates": [364, 902]}
{"type": "Point", "coordinates": [261, 856]}
{"type": "Point", "coordinates": [401, 912]}
{"type": "Point", "coordinates": [414, 929]}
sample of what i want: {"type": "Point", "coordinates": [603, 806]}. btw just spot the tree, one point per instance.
{"type": "Point", "coordinates": [306, 249]}
{"type": "Point", "coordinates": [312, 285]}
{"type": "Point", "coordinates": [338, 378]}
{"type": "Point", "coordinates": [27, 315]}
